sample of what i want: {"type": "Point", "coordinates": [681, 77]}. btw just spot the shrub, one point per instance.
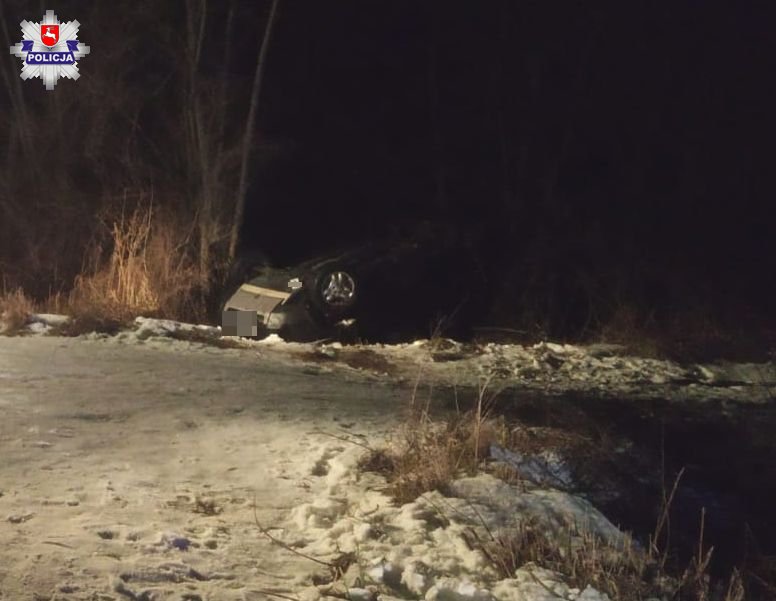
{"type": "Point", "coordinates": [143, 268]}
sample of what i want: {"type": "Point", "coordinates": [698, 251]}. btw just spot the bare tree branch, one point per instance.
{"type": "Point", "coordinates": [242, 189]}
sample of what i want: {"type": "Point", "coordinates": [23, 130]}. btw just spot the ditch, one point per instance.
{"type": "Point", "coordinates": [630, 454]}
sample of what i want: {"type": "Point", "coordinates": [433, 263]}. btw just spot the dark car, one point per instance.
{"type": "Point", "coordinates": [387, 290]}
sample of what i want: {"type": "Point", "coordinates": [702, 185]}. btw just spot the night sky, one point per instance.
{"type": "Point", "coordinates": [653, 121]}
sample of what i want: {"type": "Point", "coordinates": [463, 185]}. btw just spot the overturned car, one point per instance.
{"type": "Point", "coordinates": [379, 291]}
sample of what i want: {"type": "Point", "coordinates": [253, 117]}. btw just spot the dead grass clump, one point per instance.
{"type": "Point", "coordinates": [624, 572]}
{"type": "Point", "coordinates": [142, 268]}
{"type": "Point", "coordinates": [429, 458]}
{"type": "Point", "coordinates": [15, 311]}
{"type": "Point", "coordinates": [428, 454]}
{"type": "Point", "coordinates": [425, 458]}
{"type": "Point", "coordinates": [581, 557]}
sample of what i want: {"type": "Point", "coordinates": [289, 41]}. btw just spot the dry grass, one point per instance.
{"type": "Point", "coordinates": [623, 573]}
{"type": "Point", "coordinates": [144, 263]}
{"type": "Point", "coordinates": [15, 311]}
{"type": "Point", "coordinates": [143, 268]}
{"type": "Point", "coordinates": [582, 558]}
{"type": "Point", "coordinates": [427, 459]}
{"type": "Point", "coordinates": [429, 454]}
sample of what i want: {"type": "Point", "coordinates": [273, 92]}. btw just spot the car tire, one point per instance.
{"type": "Point", "coordinates": [335, 293]}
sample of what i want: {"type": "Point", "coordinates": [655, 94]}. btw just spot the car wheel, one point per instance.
{"type": "Point", "coordinates": [336, 292]}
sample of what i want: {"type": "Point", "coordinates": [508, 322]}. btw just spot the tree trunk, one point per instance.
{"type": "Point", "coordinates": [242, 188]}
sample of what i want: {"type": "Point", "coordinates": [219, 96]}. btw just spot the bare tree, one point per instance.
{"type": "Point", "coordinates": [248, 138]}
{"type": "Point", "coordinates": [200, 166]}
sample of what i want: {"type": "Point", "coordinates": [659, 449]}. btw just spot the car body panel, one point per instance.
{"type": "Point", "coordinates": [262, 300]}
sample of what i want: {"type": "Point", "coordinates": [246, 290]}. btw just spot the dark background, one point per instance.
{"type": "Point", "coordinates": [601, 159]}
{"type": "Point", "coordinates": [634, 137]}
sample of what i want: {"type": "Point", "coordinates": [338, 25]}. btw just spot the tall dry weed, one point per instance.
{"type": "Point", "coordinates": [429, 454]}
{"type": "Point", "coordinates": [15, 311]}
{"type": "Point", "coordinates": [145, 267]}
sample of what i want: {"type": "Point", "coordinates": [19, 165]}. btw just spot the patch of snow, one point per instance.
{"type": "Point", "coordinates": [454, 589]}
{"type": "Point", "coordinates": [421, 548]}
{"type": "Point", "coordinates": [726, 373]}
{"type": "Point", "coordinates": [597, 369]}
{"type": "Point", "coordinates": [538, 584]}
{"type": "Point", "coordinates": [37, 327]}
{"type": "Point", "coordinates": [50, 319]}
{"type": "Point", "coordinates": [42, 323]}
{"type": "Point", "coordinates": [146, 327]}
{"type": "Point", "coordinates": [271, 340]}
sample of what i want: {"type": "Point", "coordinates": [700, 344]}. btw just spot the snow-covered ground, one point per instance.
{"type": "Point", "coordinates": [548, 368]}
{"type": "Point", "coordinates": [137, 466]}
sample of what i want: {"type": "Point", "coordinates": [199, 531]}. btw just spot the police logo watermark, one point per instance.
{"type": "Point", "coordinates": [50, 50]}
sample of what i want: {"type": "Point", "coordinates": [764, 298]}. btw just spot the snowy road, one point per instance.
{"type": "Point", "coordinates": [133, 467]}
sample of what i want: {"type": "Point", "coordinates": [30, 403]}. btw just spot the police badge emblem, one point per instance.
{"type": "Point", "coordinates": [50, 50]}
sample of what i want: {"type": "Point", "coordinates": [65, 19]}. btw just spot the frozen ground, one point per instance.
{"type": "Point", "coordinates": [130, 465]}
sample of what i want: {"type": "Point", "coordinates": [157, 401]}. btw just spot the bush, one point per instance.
{"type": "Point", "coordinates": [143, 268]}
